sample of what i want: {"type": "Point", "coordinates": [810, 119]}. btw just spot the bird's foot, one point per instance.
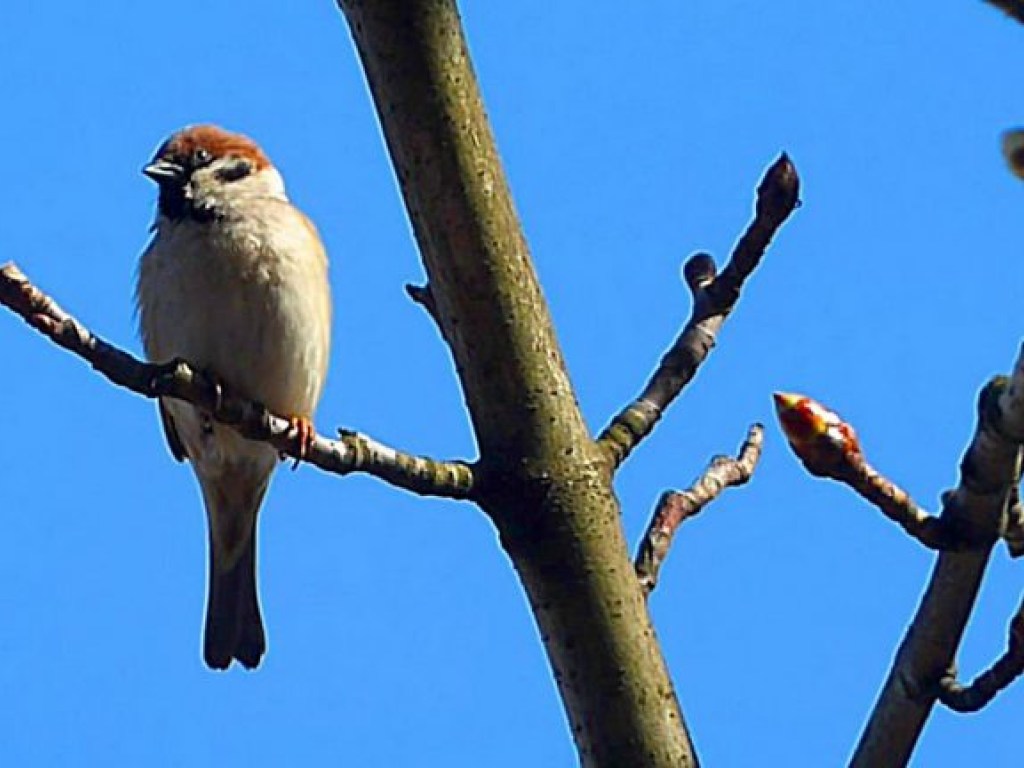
{"type": "Point", "coordinates": [305, 434]}
{"type": "Point", "coordinates": [214, 386]}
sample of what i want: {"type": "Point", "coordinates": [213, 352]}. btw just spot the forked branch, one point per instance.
{"type": "Point", "coordinates": [714, 297]}
{"type": "Point", "coordinates": [984, 688]}
{"type": "Point", "coordinates": [977, 510]}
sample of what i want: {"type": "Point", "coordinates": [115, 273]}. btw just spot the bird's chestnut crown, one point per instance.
{"type": "Point", "coordinates": [231, 156]}
{"type": "Point", "coordinates": [199, 145]}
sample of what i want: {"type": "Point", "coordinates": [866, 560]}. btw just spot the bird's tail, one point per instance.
{"type": "Point", "coordinates": [234, 627]}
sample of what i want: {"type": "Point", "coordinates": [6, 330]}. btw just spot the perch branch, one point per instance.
{"type": "Point", "coordinates": [713, 299]}
{"type": "Point", "coordinates": [353, 452]}
{"type": "Point", "coordinates": [977, 510]}
{"type": "Point", "coordinates": [674, 507]}
{"type": "Point", "coordinates": [984, 688]}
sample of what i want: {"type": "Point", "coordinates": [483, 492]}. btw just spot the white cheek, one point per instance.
{"type": "Point", "coordinates": [204, 190]}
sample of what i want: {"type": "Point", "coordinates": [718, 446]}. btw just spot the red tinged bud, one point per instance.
{"type": "Point", "coordinates": [825, 443]}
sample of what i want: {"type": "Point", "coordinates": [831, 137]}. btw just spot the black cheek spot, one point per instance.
{"type": "Point", "coordinates": [237, 170]}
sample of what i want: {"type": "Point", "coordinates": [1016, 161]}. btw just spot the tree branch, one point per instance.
{"type": "Point", "coordinates": [352, 453]}
{"type": "Point", "coordinates": [420, 294]}
{"type": "Point", "coordinates": [675, 507]}
{"type": "Point", "coordinates": [828, 447]}
{"type": "Point", "coordinates": [713, 300]}
{"type": "Point", "coordinates": [1014, 533]}
{"type": "Point", "coordinates": [933, 531]}
{"type": "Point", "coordinates": [1013, 151]}
{"type": "Point", "coordinates": [541, 478]}
{"type": "Point", "coordinates": [1012, 8]}
{"type": "Point", "coordinates": [1004, 671]}
{"type": "Point", "coordinates": [977, 509]}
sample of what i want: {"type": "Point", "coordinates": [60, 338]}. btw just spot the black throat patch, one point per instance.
{"type": "Point", "coordinates": [176, 204]}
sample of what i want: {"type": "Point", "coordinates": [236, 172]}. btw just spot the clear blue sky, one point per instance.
{"type": "Point", "coordinates": [632, 136]}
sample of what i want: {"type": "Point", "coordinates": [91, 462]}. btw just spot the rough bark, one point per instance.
{"type": "Point", "coordinates": [541, 478]}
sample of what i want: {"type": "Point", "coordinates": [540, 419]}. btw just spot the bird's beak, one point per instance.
{"type": "Point", "coordinates": [165, 172]}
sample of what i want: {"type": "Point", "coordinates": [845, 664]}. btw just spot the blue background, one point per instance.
{"type": "Point", "coordinates": [632, 135]}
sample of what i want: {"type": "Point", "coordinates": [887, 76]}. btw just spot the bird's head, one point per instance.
{"type": "Point", "coordinates": [202, 168]}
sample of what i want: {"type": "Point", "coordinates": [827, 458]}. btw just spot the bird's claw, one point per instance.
{"type": "Point", "coordinates": [305, 435]}
{"type": "Point", "coordinates": [216, 388]}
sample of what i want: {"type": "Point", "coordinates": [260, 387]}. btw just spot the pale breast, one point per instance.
{"type": "Point", "coordinates": [246, 297]}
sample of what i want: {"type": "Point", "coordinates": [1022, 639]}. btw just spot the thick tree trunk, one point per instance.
{"type": "Point", "coordinates": [545, 483]}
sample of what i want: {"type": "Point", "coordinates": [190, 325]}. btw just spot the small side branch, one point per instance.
{"type": "Point", "coordinates": [989, 473]}
{"type": "Point", "coordinates": [351, 453]}
{"type": "Point", "coordinates": [676, 506]}
{"type": "Point", "coordinates": [1012, 8]}
{"type": "Point", "coordinates": [1014, 534]}
{"type": "Point", "coordinates": [714, 297]}
{"type": "Point", "coordinates": [422, 295]}
{"type": "Point", "coordinates": [828, 447]}
{"type": "Point", "coordinates": [1013, 143]}
{"type": "Point", "coordinates": [930, 530]}
{"type": "Point", "coordinates": [984, 688]}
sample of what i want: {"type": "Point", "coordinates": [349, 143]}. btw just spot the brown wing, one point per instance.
{"type": "Point", "coordinates": [173, 441]}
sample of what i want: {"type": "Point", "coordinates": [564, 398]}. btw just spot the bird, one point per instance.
{"type": "Point", "coordinates": [234, 281]}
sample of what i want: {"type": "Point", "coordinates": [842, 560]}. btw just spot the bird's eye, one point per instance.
{"type": "Point", "coordinates": [201, 157]}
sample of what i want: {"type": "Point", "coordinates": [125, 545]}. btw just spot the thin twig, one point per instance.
{"type": "Point", "coordinates": [676, 506]}
{"type": "Point", "coordinates": [827, 446]}
{"type": "Point", "coordinates": [422, 295]}
{"type": "Point", "coordinates": [985, 686]}
{"type": "Point", "coordinates": [713, 299]}
{"type": "Point", "coordinates": [1014, 534]}
{"type": "Point", "coordinates": [933, 531]}
{"type": "Point", "coordinates": [353, 452]}
{"type": "Point", "coordinates": [1012, 8]}
{"type": "Point", "coordinates": [989, 472]}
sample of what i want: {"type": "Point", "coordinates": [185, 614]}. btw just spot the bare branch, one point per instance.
{"type": "Point", "coordinates": [828, 447]}
{"type": "Point", "coordinates": [352, 453]}
{"type": "Point", "coordinates": [541, 478]}
{"type": "Point", "coordinates": [676, 506]}
{"type": "Point", "coordinates": [422, 295]}
{"type": "Point", "coordinates": [713, 300]}
{"type": "Point", "coordinates": [1013, 150]}
{"type": "Point", "coordinates": [984, 688]}
{"type": "Point", "coordinates": [977, 510]}
{"type": "Point", "coordinates": [1012, 8]}
{"type": "Point", "coordinates": [1014, 533]}
{"type": "Point", "coordinates": [932, 531]}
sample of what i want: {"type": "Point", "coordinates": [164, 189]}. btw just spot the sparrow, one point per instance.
{"type": "Point", "coordinates": [234, 282]}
